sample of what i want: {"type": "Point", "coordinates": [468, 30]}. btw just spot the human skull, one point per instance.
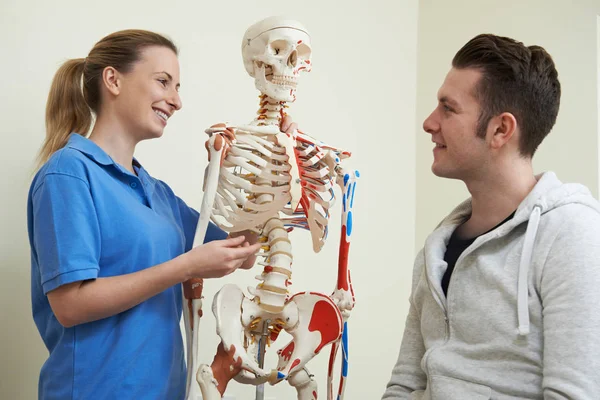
{"type": "Point", "coordinates": [275, 51]}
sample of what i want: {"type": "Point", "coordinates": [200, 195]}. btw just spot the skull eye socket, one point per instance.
{"type": "Point", "coordinates": [278, 47]}
{"type": "Point", "coordinates": [303, 51]}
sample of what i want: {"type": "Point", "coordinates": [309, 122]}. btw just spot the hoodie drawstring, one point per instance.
{"type": "Point", "coordinates": [526, 256]}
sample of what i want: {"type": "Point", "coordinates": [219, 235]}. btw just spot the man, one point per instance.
{"type": "Point", "coordinates": [505, 292]}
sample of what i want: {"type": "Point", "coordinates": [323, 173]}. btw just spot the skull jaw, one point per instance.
{"type": "Point", "coordinates": [278, 92]}
{"type": "Point", "coordinates": [275, 91]}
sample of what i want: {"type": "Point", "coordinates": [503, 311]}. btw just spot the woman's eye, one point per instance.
{"type": "Point", "coordinates": [163, 82]}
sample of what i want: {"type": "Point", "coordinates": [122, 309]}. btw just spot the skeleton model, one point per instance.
{"type": "Point", "coordinates": [267, 181]}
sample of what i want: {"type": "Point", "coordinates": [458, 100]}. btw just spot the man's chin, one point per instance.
{"type": "Point", "coordinates": [437, 171]}
{"type": "Point", "coordinates": [441, 173]}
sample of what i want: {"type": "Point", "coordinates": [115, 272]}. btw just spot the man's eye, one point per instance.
{"type": "Point", "coordinates": [447, 108]}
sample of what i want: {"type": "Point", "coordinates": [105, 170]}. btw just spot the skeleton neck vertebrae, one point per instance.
{"type": "Point", "coordinates": [270, 112]}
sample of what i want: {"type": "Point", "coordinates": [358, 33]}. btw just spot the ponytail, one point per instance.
{"type": "Point", "coordinates": [66, 108]}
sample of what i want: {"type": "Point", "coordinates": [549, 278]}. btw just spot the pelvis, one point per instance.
{"type": "Point", "coordinates": [312, 319]}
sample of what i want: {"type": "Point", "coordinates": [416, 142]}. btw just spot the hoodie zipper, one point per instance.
{"type": "Point", "coordinates": [442, 301]}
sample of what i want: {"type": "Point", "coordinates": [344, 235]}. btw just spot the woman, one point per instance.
{"type": "Point", "coordinates": [110, 243]}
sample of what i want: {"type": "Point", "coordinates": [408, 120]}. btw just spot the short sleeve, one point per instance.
{"type": "Point", "coordinates": [190, 217]}
{"type": "Point", "coordinates": [66, 233]}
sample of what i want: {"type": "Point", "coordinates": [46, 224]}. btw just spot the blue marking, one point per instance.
{"type": "Point", "coordinates": [345, 350]}
{"type": "Point", "coordinates": [349, 224]}
{"type": "Point", "coordinates": [280, 375]}
{"type": "Point", "coordinates": [353, 190]}
{"type": "Point", "coordinates": [346, 178]}
{"type": "Point", "coordinates": [357, 174]}
{"type": "Point", "coordinates": [344, 202]}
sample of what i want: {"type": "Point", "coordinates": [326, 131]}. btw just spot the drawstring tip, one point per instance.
{"type": "Point", "coordinates": [523, 330]}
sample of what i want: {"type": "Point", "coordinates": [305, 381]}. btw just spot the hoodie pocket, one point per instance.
{"type": "Point", "coordinates": [443, 387]}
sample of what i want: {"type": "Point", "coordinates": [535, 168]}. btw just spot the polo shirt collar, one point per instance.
{"type": "Point", "coordinates": [90, 149]}
{"type": "Point", "coordinates": [95, 152]}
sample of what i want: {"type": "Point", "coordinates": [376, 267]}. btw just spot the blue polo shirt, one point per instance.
{"type": "Point", "coordinates": [89, 217]}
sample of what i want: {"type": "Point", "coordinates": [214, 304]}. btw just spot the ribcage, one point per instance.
{"type": "Point", "coordinates": [255, 182]}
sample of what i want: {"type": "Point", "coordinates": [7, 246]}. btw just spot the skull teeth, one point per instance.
{"type": "Point", "coordinates": [284, 80]}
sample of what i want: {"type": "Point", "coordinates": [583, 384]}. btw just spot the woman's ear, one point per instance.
{"type": "Point", "coordinates": [111, 79]}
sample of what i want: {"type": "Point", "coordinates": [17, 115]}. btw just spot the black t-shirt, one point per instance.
{"type": "Point", "coordinates": [455, 248]}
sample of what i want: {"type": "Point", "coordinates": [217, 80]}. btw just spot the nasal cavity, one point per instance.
{"type": "Point", "coordinates": [293, 59]}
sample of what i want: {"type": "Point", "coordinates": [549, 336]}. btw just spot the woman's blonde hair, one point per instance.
{"type": "Point", "coordinates": [75, 91]}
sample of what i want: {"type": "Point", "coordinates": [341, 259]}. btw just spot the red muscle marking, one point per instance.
{"type": "Point", "coordinates": [332, 356]}
{"type": "Point", "coordinates": [295, 363]}
{"type": "Point", "coordinates": [268, 269]}
{"type": "Point", "coordinates": [192, 289]}
{"type": "Point", "coordinates": [343, 261]}
{"type": "Point", "coordinates": [286, 353]}
{"type": "Point", "coordinates": [304, 203]}
{"type": "Point", "coordinates": [341, 385]}
{"type": "Point", "coordinates": [322, 321]}
{"type": "Point", "coordinates": [299, 41]}
{"type": "Point", "coordinates": [305, 140]}
{"type": "Point", "coordinates": [307, 61]}
{"type": "Point", "coordinates": [314, 395]}
{"type": "Point", "coordinates": [275, 332]}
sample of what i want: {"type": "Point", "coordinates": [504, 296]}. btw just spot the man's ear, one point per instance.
{"type": "Point", "coordinates": [501, 129]}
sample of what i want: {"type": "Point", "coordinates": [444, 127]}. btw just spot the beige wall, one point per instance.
{"type": "Point", "coordinates": [360, 96]}
{"type": "Point", "coordinates": [567, 29]}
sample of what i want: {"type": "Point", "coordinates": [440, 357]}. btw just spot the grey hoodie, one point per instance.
{"type": "Point", "coordinates": [522, 317]}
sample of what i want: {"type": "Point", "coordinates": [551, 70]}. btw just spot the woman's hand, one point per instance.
{"type": "Point", "coordinates": [219, 257]}
{"type": "Point", "coordinates": [287, 125]}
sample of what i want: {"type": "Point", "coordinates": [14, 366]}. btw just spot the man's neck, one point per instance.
{"type": "Point", "coordinates": [496, 196]}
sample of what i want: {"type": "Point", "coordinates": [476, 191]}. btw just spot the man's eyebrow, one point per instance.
{"type": "Point", "coordinates": [168, 76]}
{"type": "Point", "coordinates": [448, 100]}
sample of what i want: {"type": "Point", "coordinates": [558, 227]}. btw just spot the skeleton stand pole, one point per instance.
{"type": "Point", "coordinates": [262, 347]}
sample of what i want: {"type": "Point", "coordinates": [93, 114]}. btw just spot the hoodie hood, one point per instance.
{"type": "Point", "coordinates": [548, 194]}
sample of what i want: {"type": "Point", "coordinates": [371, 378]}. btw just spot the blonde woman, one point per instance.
{"type": "Point", "coordinates": [110, 243]}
